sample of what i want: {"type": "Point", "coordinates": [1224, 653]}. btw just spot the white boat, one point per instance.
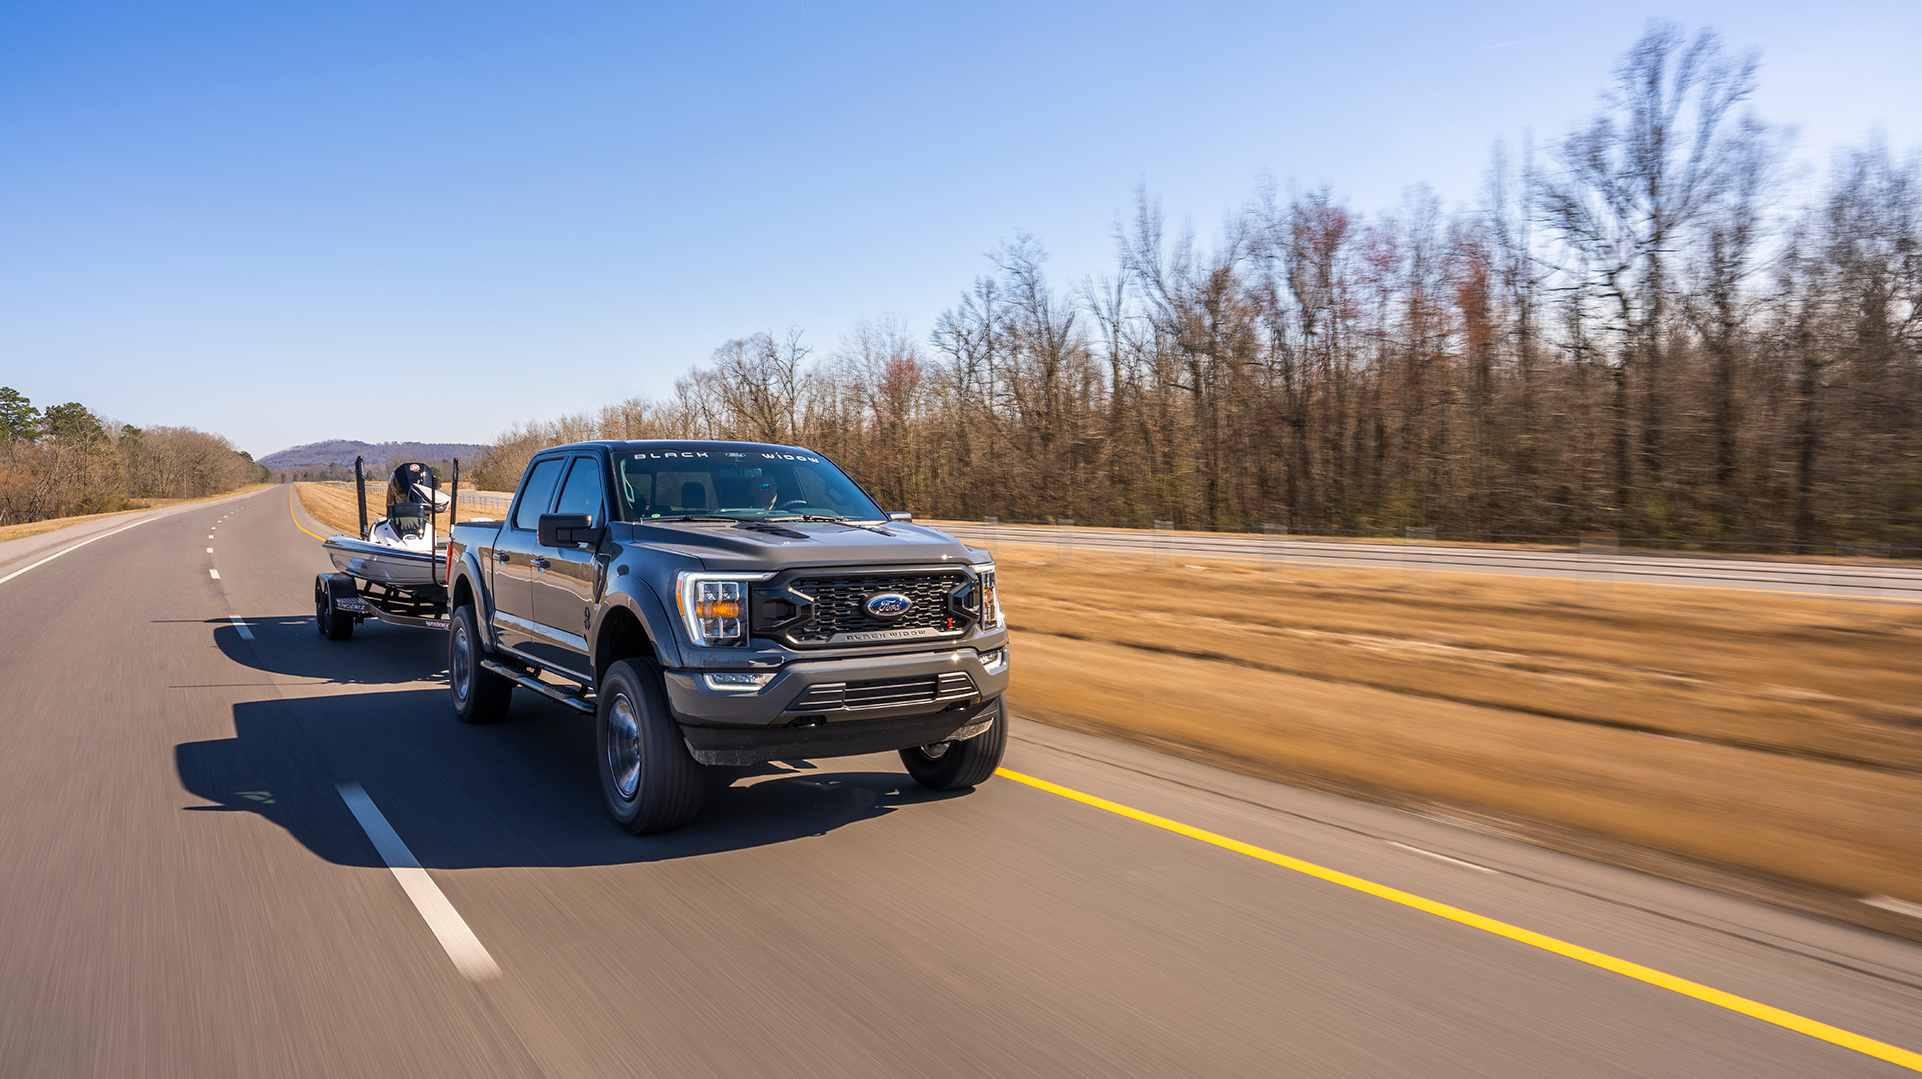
{"type": "Point", "coordinates": [401, 548]}
{"type": "Point", "coordinates": [371, 561]}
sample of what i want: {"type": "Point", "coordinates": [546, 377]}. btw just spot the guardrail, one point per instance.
{"type": "Point", "coordinates": [1582, 541]}
{"type": "Point", "coordinates": [1415, 556]}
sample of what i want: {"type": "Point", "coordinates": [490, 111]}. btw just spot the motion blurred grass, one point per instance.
{"type": "Point", "coordinates": [1775, 733]}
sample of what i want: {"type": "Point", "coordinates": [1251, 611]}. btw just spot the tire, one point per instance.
{"type": "Point", "coordinates": [648, 779]}
{"type": "Point", "coordinates": [331, 623]}
{"type": "Point", "coordinates": [480, 695]}
{"type": "Point", "coordinates": [949, 766]}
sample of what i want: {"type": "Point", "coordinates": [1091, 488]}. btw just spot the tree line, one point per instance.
{"type": "Point", "coordinates": [1648, 326]}
{"type": "Point", "coordinates": [66, 460]}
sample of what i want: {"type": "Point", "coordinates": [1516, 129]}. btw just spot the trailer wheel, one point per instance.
{"type": "Point", "coordinates": [480, 695]}
{"type": "Point", "coordinates": [331, 623]}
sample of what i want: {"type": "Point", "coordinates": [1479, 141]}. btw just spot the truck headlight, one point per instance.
{"type": "Point", "coordinates": [714, 605]}
{"type": "Point", "coordinates": [990, 598]}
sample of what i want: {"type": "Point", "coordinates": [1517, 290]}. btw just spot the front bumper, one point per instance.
{"type": "Point", "coordinates": [857, 703]}
{"type": "Point", "coordinates": [849, 738]}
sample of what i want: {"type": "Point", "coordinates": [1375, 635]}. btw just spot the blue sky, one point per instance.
{"type": "Point", "coordinates": [386, 221]}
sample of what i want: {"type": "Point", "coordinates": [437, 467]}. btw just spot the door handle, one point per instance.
{"type": "Point", "coordinates": [538, 562]}
{"type": "Point", "coordinates": [500, 556]}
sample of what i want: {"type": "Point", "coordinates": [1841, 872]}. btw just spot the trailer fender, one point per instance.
{"type": "Point", "coordinates": [340, 594]}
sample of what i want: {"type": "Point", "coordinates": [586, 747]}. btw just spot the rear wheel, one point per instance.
{"type": "Point", "coordinates": [648, 779]}
{"type": "Point", "coordinates": [480, 695]}
{"type": "Point", "coordinates": [947, 766]}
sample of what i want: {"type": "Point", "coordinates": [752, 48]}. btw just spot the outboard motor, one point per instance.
{"type": "Point", "coordinates": [413, 496]}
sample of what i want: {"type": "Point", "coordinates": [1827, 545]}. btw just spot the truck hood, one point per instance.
{"type": "Point", "coordinates": [775, 545]}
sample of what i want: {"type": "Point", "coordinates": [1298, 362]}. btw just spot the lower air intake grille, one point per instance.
{"type": "Point", "coordinates": [884, 692]}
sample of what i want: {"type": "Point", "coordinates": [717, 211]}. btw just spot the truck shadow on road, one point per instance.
{"type": "Point", "coordinates": [377, 655]}
{"type": "Point", "coordinates": [522, 792]}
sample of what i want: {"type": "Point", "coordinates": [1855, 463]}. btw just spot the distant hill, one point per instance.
{"type": "Point", "coordinates": [343, 452]}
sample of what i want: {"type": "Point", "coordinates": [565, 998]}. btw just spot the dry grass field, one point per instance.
{"type": "Point", "coordinates": [1775, 734]}
{"type": "Point", "coordinates": [139, 505]}
{"type": "Point", "coordinates": [338, 508]}
{"type": "Point", "coordinates": [332, 506]}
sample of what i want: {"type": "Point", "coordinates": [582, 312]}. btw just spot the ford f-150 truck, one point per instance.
{"type": "Point", "coordinates": [726, 603]}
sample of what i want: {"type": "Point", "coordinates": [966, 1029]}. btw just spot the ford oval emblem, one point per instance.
{"type": "Point", "coordinates": [887, 605]}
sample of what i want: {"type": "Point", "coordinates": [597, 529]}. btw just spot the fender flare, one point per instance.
{"type": "Point", "coordinates": [469, 570]}
{"type": "Point", "coordinates": [639, 600]}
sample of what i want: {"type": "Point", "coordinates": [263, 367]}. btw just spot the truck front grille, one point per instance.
{"type": "Point", "coordinates": [837, 615]}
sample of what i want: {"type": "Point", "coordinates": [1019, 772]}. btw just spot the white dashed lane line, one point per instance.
{"type": "Point", "coordinates": [1899, 906]}
{"type": "Point", "coordinates": [245, 633]}
{"type": "Point", "coordinates": [1442, 857]}
{"type": "Point", "coordinates": [463, 947]}
{"type": "Point", "coordinates": [214, 573]}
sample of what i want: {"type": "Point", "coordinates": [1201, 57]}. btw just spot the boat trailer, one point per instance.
{"type": "Point", "coordinates": [343, 600]}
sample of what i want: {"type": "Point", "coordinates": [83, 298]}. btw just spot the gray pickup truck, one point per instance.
{"type": "Point", "coordinates": [726, 603]}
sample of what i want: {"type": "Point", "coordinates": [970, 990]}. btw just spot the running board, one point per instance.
{"type": "Point", "coordinates": [542, 688]}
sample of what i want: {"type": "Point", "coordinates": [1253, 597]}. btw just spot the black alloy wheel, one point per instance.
{"type": "Point", "coordinates": [480, 695]}
{"type": "Point", "coordinates": [649, 781]}
{"type": "Point", "coordinates": [948, 766]}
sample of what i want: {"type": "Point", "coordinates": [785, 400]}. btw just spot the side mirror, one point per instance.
{"type": "Point", "coordinates": [569, 530]}
{"type": "Point", "coordinates": [900, 515]}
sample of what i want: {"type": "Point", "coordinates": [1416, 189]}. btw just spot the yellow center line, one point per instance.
{"type": "Point", "coordinates": [1801, 1024]}
{"type": "Point", "coordinates": [296, 520]}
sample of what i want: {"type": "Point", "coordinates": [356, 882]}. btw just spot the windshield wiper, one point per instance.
{"type": "Point", "coordinates": [703, 517]}
{"type": "Point", "coordinates": [830, 518]}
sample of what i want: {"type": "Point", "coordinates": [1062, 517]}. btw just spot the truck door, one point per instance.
{"type": "Point", "coordinates": [514, 554]}
{"type": "Point", "coordinates": [564, 588]}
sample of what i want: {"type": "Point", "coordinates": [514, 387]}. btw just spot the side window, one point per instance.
{"type": "Point", "coordinates": [536, 492]}
{"type": "Point", "coordinates": [582, 491]}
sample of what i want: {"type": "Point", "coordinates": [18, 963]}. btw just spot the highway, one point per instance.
{"type": "Point", "coordinates": [233, 848]}
{"type": "Point", "coordinates": [1899, 582]}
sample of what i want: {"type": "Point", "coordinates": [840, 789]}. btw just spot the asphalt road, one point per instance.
{"type": "Point", "coordinates": [184, 890]}
{"type": "Point", "coordinates": [1887, 581]}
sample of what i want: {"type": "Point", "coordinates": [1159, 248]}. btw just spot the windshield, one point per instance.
{"type": "Point", "coordinates": [664, 482]}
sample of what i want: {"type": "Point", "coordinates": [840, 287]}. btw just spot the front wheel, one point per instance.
{"type": "Point", "coordinates": [480, 695]}
{"type": "Point", "coordinates": [947, 766]}
{"type": "Point", "coordinates": [648, 779]}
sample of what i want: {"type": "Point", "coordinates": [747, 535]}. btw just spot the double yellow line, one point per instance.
{"type": "Point", "coordinates": [1800, 1024]}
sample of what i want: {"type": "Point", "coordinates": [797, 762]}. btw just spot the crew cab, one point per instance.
{"type": "Point", "coordinates": [726, 603]}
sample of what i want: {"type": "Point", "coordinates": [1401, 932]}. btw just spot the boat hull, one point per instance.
{"type": "Point", "coordinates": [388, 565]}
